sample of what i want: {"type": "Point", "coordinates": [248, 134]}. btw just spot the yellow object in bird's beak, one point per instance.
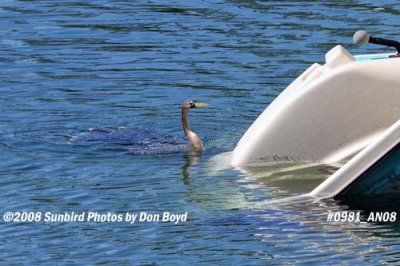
{"type": "Point", "coordinates": [200, 105]}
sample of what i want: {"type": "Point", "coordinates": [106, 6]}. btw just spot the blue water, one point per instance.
{"type": "Point", "coordinates": [67, 66]}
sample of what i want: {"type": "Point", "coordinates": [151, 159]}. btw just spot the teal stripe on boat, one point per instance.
{"type": "Point", "coordinates": [372, 57]}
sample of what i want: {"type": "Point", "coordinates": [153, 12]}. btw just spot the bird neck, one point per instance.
{"type": "Point", "coordinates": [194, 140]}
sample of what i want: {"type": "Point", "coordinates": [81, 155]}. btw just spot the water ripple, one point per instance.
{"type": "Point", "coordinates": [67, 66]}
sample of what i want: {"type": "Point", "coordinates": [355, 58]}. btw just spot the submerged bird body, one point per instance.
{"type": "Point", "coordinates": [134, 140]}
{"type": "Point", "coordinates": [144, 142]}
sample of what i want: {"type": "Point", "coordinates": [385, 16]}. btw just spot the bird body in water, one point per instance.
{"type": "Point", "coordinates": [143, 142]}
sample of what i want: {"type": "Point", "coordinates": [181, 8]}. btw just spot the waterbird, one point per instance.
{"type": "Point", "coordinates": [139, 141]}
{"type": "Point", "coordinates": [194, 140]}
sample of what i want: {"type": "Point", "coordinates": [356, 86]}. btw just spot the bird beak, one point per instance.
{"type": "Point", "coordinates": [200, 105]}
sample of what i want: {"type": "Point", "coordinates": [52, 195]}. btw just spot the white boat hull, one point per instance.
{"type": "Point", "coordinates": [328, 114]}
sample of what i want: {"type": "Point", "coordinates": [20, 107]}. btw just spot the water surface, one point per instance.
{"type": "Point", "coordinates": [67, 66]}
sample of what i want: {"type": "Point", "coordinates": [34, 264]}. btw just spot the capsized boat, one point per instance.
{"type": "Point", "coordinates": [328, 114]}
{"type": "Point", "coordinates": [347, 109]}
{"type": "Point", "coordinates": [373, 171]}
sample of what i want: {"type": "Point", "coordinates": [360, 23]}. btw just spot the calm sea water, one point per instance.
{"type": "Point", "coordinates": [66, 66]}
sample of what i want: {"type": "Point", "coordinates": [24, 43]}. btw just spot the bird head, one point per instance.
{"type": "Point", "coordinates": [194, 104]}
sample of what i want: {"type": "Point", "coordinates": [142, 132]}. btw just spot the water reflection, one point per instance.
{"type": "Point", "coordinates": [292, 178]}
{"type": "Point", "coordinates": [190, 158]}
